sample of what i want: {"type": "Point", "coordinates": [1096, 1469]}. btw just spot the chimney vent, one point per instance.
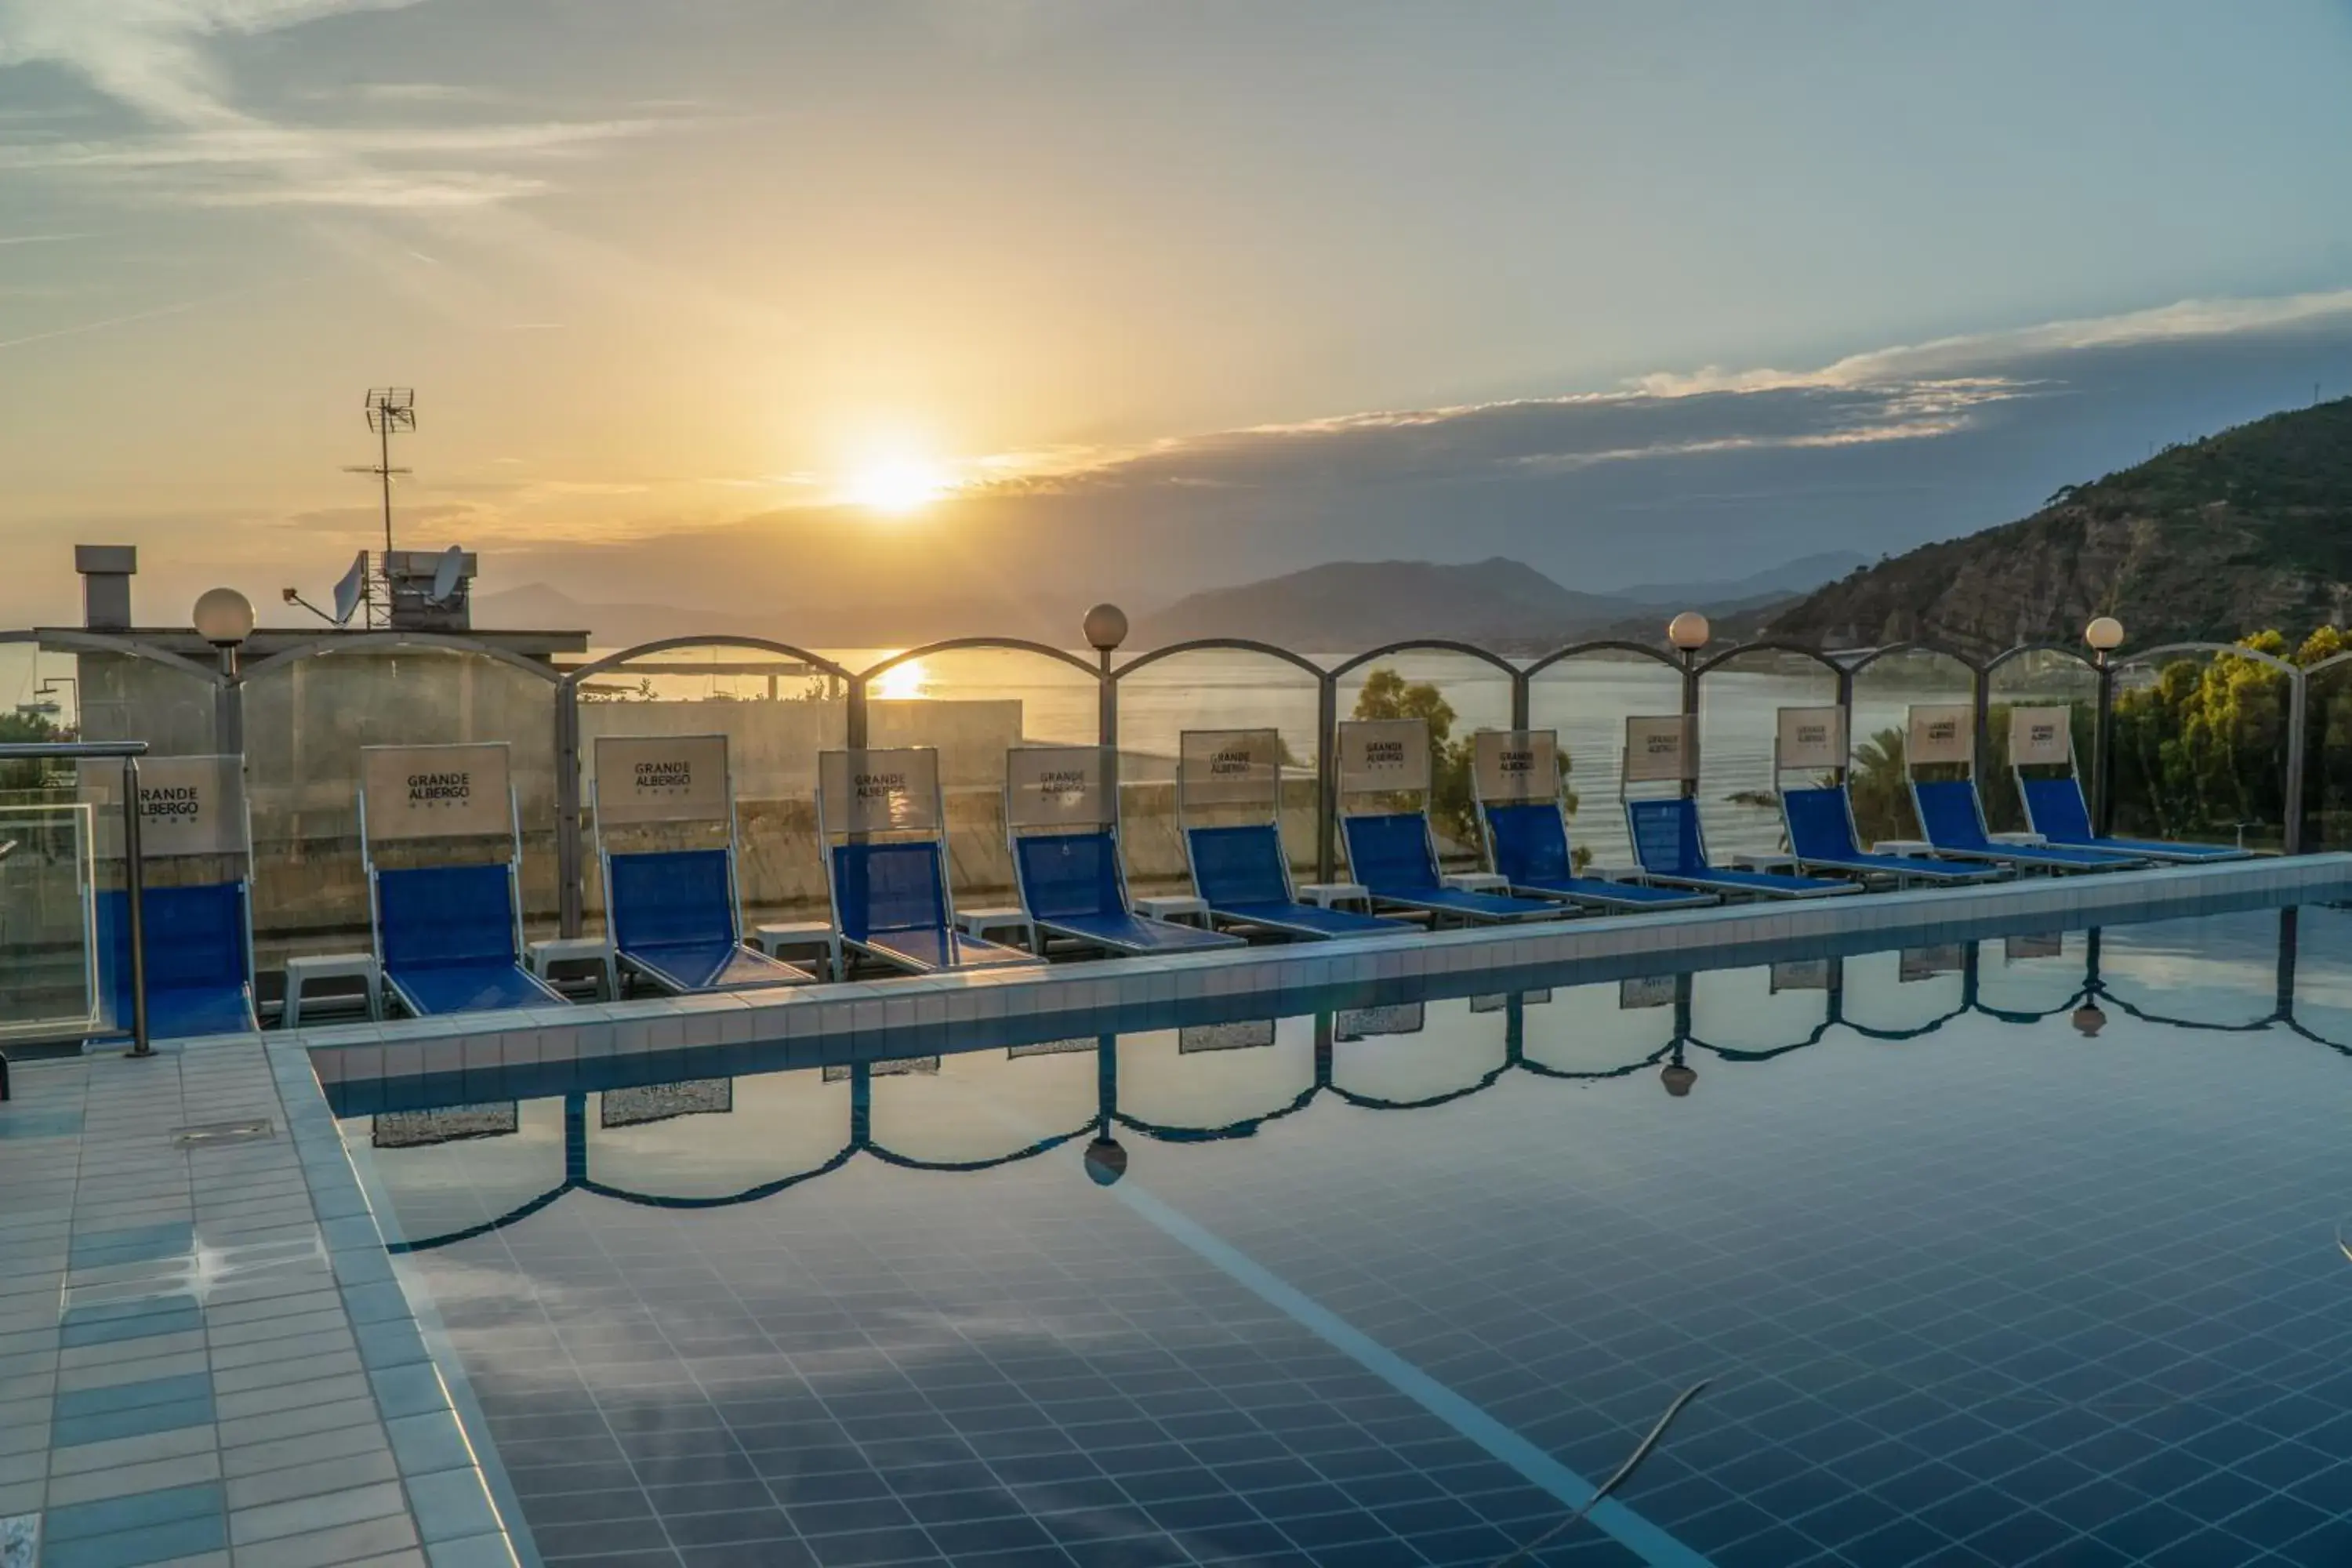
{"type": "Point", "coordinates": [105, 572]}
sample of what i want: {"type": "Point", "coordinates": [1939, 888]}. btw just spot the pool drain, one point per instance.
{"type": "Point", "coordinates": [219, 1134]}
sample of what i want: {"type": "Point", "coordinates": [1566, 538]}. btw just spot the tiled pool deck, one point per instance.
{"type": "Point", "coordinates": [206, 1358]}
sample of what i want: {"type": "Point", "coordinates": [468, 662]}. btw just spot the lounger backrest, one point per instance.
{"type": "Point", "coordinates": [1390, 850]}
{"type": "Point", "coordinates": [1948, 814]}
{"type": "Point", "coordinates": [671, 896]}
{"type": "Point", "coordinates": [1666, 837]}
{"type": "Point", "coordinates": [1236, 866]}
{"type": "Point", "coordinates": [2055, 808]}
{"type": "Point", "coordinates": [1066, 874]}
{"type": "Point", "coordinates": [888, 886]}
{"type": "Point", "coordinates": [446, 914]}
{"type": "Point", "coordinates": [1821, 827]}
{"type": "Point", "coordinates": [1530, 841]}
{"type": "Point", "coordinates": [195, 938]}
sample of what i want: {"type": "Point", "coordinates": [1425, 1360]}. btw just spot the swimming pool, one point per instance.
{"type": "Point", "coordinates": [2003, 1249]}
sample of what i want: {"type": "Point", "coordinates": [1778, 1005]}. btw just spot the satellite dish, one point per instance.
{"type": "Point", "coordinates": [445, 574]}
{"type": "Point", "coordinates": [351, 590]}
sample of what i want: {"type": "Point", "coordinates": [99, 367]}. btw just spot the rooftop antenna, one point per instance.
{"type": "Point", "coordinates": [389, 408]}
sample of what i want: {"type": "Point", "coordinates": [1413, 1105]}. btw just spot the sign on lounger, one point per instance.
{"type": "Point", "coordinates": [1941, 733]}
{"type": "Point", "coordinates": [1658, 748]}
{"type": "Point", "coordinates": [1383, 756]}
{"type": "Point", "coordinates": [1230, 767]}
{"type": "Point", "coordinates": [2041, 737]}
{"type": "Point", "coordinates": [880, 790]}
{"type": "Point", "coordinates": [437, 792]}
{"type": "Point", "coordinates": [661, 778]}
{"type": "Point", "coordinates": [1812, 738]}
{"type": "Point", "coordinates": [1511, 765]}
{"type": "Point", "coordinates": [187, 805]}
{"type": "Point", "coordinates": [1057, 786]}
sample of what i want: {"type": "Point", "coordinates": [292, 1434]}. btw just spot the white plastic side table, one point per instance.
{"type": "Point", "coordinates": [985, 923]}
{"type": "Point", "coordinates": [541, 957]}
{"type": "Point", "coordinates": [785, 941]}
{"type": "Point", "coordinates": [302, 973]}
{"type": "Point", "coordinates": [1175, 907]}
{"type": "Point", "coordinates": [1478, 882]}
{"type": "Point", "coordinates": [1331, 895]}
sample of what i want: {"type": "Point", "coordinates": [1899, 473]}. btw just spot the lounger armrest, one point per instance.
{"type": "Point", "coordinates": [1902, 846]}
{"type": "Point", "coordinates": [1477, 882]}
{"type": "Point", "coordinates": [2022, 840]}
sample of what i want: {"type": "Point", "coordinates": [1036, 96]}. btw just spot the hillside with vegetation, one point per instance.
{"type": "Point", "coordinates": [2241, 531]}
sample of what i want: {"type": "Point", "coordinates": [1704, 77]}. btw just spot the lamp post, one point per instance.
{"type": "Point", "coordinates": [1689, 632]}
{"type": "Point", "coordinates": [2104, 635]}
{"type": "Point", "coordinates": [1105, 628]}
{"type": "Point", "coordinates": [224, 617]}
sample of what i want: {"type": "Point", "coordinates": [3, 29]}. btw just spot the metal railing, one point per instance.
{"type": "Point", "coordinates": [1695, 671]}
{"type": "Point", "coordinates": [133, 866]}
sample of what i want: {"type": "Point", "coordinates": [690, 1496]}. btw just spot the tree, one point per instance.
{"type": "Point", "coordinates": [25, 729]}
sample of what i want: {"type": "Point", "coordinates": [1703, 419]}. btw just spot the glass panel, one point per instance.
{"type": "Point", "coordinates": [1590, 1031]}
{"type": "Point", "coordinates": [1738, 723]}
{"type": "Point", "coordinates": [2200, 743]}
{"type": "Point", "coordinates": [305, 722]}
{"type": "Point", "coordinates": [2038, 677]}
{"type": "Point", "coordinates": [777, 711]}
{"type": "Point", "coordinates": [1898, 996]}
{"type": "Point", "coordinates": [1263, 1068]}
{"type": "Point", "coordinates": [1884, 689]}
{"type": "Point", "coordinates": [794, 1123]}
{"type": "Point", "coordinates": [121, 697]}
{"type": "Point", "coordinates": [1761, 1010]}
{"type": "Point", "coordinates": [48, 980]}
{"type": "Point", "coordinates": [1210, 688]}
{"type": "Point", "coordinates": [975, 704]}
{"type": "Point", "coordinates": [2327, 766]}
{"type": "Point", "coordinates": [1588, 697]}
{"type": "Point", "coordinates": [1458, 695]}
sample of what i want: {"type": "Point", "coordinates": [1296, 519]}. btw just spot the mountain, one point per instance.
{"type": "Point", "coordinates": [1799, 576]}
{"type": "Point", "coordinates": [2209, 540]}
{"type": "Point", "coordinates": [1358, 604]}
{"type": "Point", "coordinates": [1348, 604]}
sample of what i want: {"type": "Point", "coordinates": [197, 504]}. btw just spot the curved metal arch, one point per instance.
{"type": "Point", "coordinates": [1915, 645]}
{"type": "Point", "coordinates": [1485, 1081]}
{"type": "Point", "coordinates": [2331, 659]}
{"type": "Point", "coordinates": [1529, 1065]}
{"type": "Point", "coordinates": [1018, 645]}
{"type": "Point", "coordinates": [1232, 645]}
{"type": "Point", "coordinates": [2021, 649]}
{"type": "Point", "coordinates": [99, 642]}
{"type": "Point", "coordinates": [1434, 645]}
{"type": "Point", "coordinates": [1161, 1132]}
{"type": "Point", "coordinates": [2286, 667]}
{"type": "Point", "coordinates": [394, 641]}
{"type": "Point", "coordinates": [662, 645]}
{"type": "Point", "coordinates": [1771, 644]}
{"type": "Point", "coordinates": [1767, 1053]}
{"type": "Point", "coordinates": [1028, 1152]}
{"type": "Point", "coordinates": [1605, 645]}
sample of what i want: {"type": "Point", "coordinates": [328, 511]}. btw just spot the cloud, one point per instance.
{"type": "Point", "coordinates": [150, 56]}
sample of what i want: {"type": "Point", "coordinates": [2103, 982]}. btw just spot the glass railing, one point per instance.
{"type": "Point", "coordinates": [48, 952]}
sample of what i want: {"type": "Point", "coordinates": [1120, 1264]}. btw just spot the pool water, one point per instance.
{"type": "Point", "coordinates": [2023, 1251]}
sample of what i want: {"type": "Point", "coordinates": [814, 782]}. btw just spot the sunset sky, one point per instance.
{"type": "Point", "coordinates": [937, 304]}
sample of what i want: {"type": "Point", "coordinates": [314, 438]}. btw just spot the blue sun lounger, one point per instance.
{"type": "Point", "coordinates": [891, 903]}
{"type": "Point", "coordinates": [2054, 809]}
{"type": "Point", "coordinates": [1389, 852]}
{"type": "Point", "coordinates": [890, 895]}
{"type": "Point", "coordinates": [1242, 875]}
{"type": "Point", "coordinates": [1061, 822]}
{"type": "Point", "coordinates": [673, 912]}
{"type": "Point", "coordinates": [1953, 820]}
{"type": "Point", "coordinates": [1669, 846]}
{"type": "Point", "coordinates": [1072, 886]}
{"type": "Point", "coordinates": [674, 922]}
{"type": "Point", "coordinates": [1819, 820]}
{"type": "Point", "coordinates": [448, 939]}
{"type": "Point", "coordinates": [1528, 843]}
{"type": "Point", "coordinates": [199, 959]}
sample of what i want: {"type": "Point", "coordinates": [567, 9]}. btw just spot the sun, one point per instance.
{"type": "Point", "coordinates": [896, 483]}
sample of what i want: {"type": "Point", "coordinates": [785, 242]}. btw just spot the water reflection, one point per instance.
{"type": "Point", "coordinates": [715, 1141]}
